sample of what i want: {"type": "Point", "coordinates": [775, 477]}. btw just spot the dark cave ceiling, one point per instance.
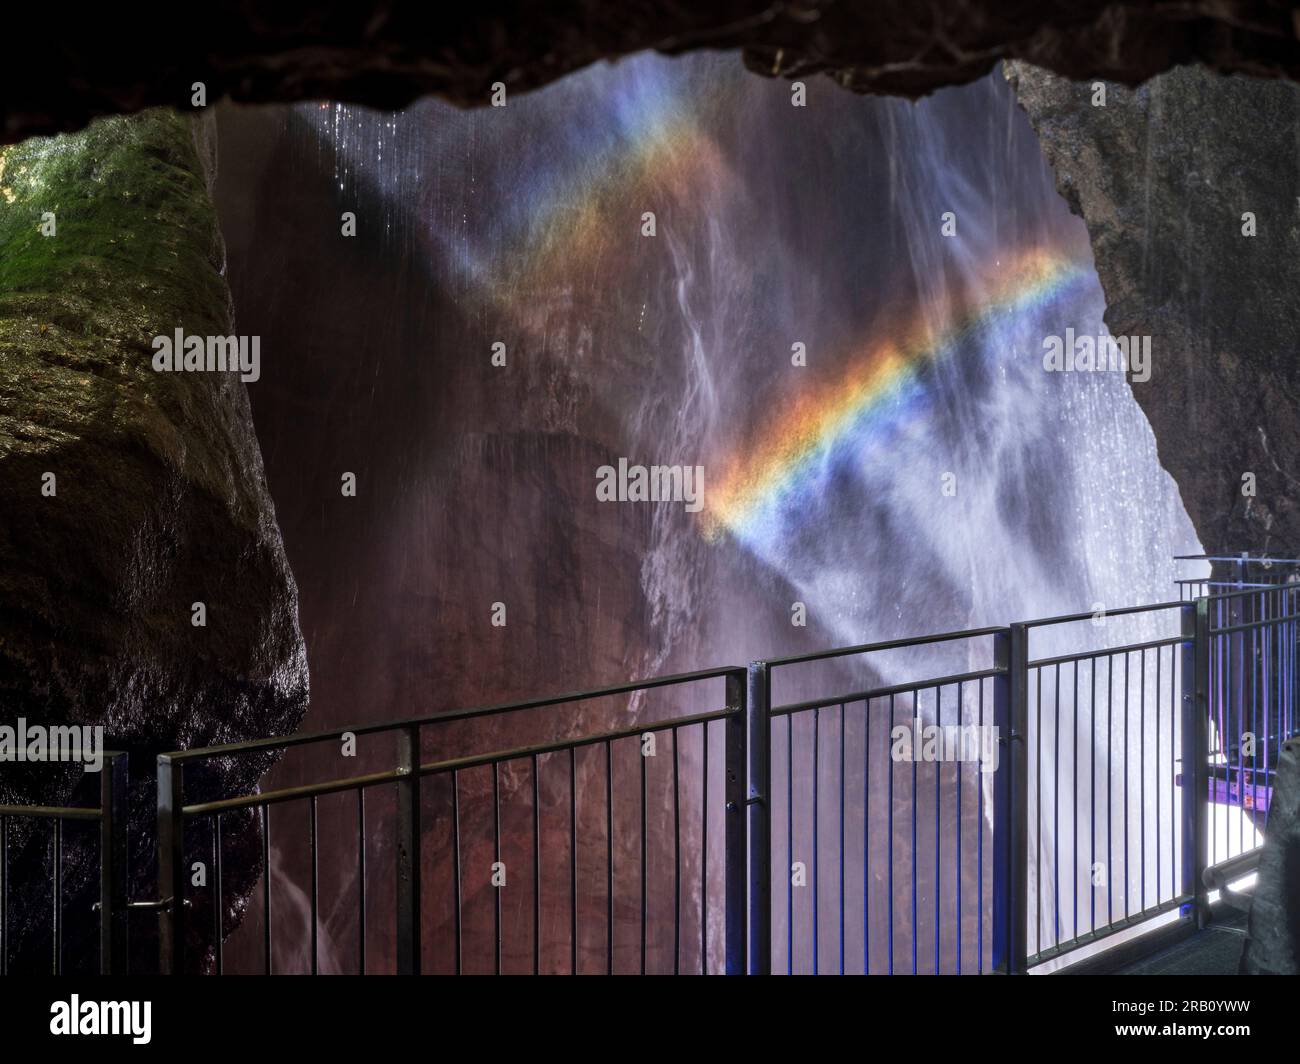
{"type": "Point", "coordinates": [59, 72]}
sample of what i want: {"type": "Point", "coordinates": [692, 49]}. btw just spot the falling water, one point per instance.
{"type": "Point", "coordinates": [919, 472]}
{"type": "Point", "coordinates": [822, 226]}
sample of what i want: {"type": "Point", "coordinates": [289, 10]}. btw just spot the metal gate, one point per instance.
{"type": "Point", "coordinates": [1022, 792]}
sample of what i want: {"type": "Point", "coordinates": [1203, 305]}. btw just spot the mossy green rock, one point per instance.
{"type": "Point", "coordinates": [159, 497]}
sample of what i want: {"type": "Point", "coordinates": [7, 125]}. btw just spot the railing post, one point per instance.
{"type": "Point", "coordinates": [171, 867]}
{"type": "Point", "coordinates": [758, 790]}
{"type": "Point", "coordinates": [408, 851]}
{"type": "Point", "coordinates": [1196, 753]}
{"type": "Point", "coordinates": [734, 842]}
{"type": "Point", "coordinates": [1011, 802]}
{"type": "Point", "coordinates": [113, 866]}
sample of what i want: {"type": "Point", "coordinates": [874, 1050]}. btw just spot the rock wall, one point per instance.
{"type": "Point", "coordinates": [127, 495]}
{"type": "Point", "coordinates": [1170, 178]}
{"type": "Point", "coordinates": [387, 54]}
{"type": "Point", "coordinates": [1273, 942]}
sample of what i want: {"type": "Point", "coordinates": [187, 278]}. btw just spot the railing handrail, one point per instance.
{"type": "Point", "coordinates": [892, 689]}
{"type": "Point", "coordinates": [889, 644]}
{"type": "Point", "coordinates": [287, 741]}
{"type": "Point", "coordinates": [67, 812]}
{"type": "Point", "coordinates": [748, 710]}
{"type": "Point", "coordinates": [1206, 582]}
{"type": "Point", "coordinates": [284, 742]}
{"type": "Point", "coordinates": [433, 768]}
{"type": "Point", "coordinates": [1288, 585]}
{"type": "Point", "coordinates": [1234, 558]}
{"type": "Point", "coordinates": [1121, 611]}
{"type": "Point", "coordinates": [52, 812]}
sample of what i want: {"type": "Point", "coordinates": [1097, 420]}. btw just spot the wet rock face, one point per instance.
{"type": "Point", "coordinates": [388, 53]}
{"type": "Point", "coordinates": [1169, 178]}
{"type": "Point", "coordinates": [1273, 944]}
{"type": "Point", "coordinates": [157, 500]}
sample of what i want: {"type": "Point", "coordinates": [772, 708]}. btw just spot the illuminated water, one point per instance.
{"type": "Point", "coordinates": [920, 473]}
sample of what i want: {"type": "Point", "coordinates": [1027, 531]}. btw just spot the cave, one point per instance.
{"type": "Point", "coordinates": [426, 449]}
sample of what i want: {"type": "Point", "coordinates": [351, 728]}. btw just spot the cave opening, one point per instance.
{"type": "Point", "coordinates": [695, 395]}
{"type": "Point", "coordinates": [836, 311]}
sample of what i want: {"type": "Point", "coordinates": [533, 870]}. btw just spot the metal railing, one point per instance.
{"type": "Point", "coordinates": [1098, 803]}
{"type": "Point", "coordinates": [786, 829]}
{"type": "Point", "coordinates": [1251, 669]}
{"type": "Point", "coordinates": [935, 834]}
{"type": "Point", "coordinates": [110, 817]}
{"type": "Point", "coordinates": [446, 783]}
{"type": "Point", "coordinates": [1236, 572]}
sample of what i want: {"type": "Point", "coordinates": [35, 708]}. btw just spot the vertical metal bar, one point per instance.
{"type": "Point", "coordinates": [1160, 653]}
{"type": "Point", "coordinates": [816, 880]}
{"type": "Point", "coordinates": [1241, 725]}
{"type": "Point", "coordinates": [1272, 688]}
{"type": "Point", "coordinates": [218, 903]}
{"type": "Point", "coordinates": [408, 851]}
{"type": "Point", "coordinates": [1195, 753]}
{"type": "Point", "coordinates": [889, 837]}
{"type": "Point", "coordinates": [1011, 801]}
{"type": "Point", "coordinates": [758, 758]}
{"type": "Point", "coordinates": [361, 880]}
{"type": "Point", "coordinates": [1074, 805]}
{"type": "Point", "coordinates": [313, 824]}
{"type": "Point", "coordinates": [1171, 781]}
{"type": "Point", "coordinates": [1235, 693]}
{"type": "Point", "coordinates": [938, 813]}
{"type": "Point", "coordinates": [537, 870]}
{"type": "Point", "coordinates": [1110, 786]}
{"type": "Point", "coordinates": [1292, 674]}
{"type": "Point", "coordinates": [1269, 692]}
{"type": "Point", "coordinates": [496, 851]}
{"type": "Point", "coordinates": [1128, 878]}
{"type": "Point", "coordinates": [1038, 809]}
{"type": "Point", "coordinates": [1223, 700]}
{"type": "Point", "coordinates": [171, 871]}
{"type": "Point", "coordinates": [113, 912]}
{"type": "Point", "coordinates": [457, 880]}
{"type": "Point", "coordinates": [1056, 806]}
{"type": "Point", "coordinates": [677, 859]}
{"type": "Point", "coordinates": [979, 843]}
{"type": "Point", "coordinates": [957, 876]}
{"type": "Point", "coordinates": [1142, 783]}
{"type": "Point", "coordinates": [573, 860]}
{"type": "Point", "coordinates": [609, 857]}
{"type": "Point", "coordinates": [58, 895]}
{"type": "Point", "coordinates": [1092, 795]}
{"type": "Point", "coordinates": [4, 895]}
{"type": "Point", "coordinates": [916, 930]}
{"type": "Point", "coordinates": [1018, 669]}
{"type": "Point", "coordinates": [789, 844]}
{"type": "Point", "coordinates": [645, 894]}
{"type": "Point", "coordinates": [866, 837]}
{"type": "Point", "coordinates": [704, 856]}
{"type": "Point", "coordinates": [266, 886]}
{"type": "Point", "coordinates": [842, 803]}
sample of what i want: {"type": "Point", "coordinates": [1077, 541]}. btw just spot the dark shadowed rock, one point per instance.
{"type": "Point", "coordinates": [388, 52]}
{"type": "Point", "coordinates": [161, 499]}
{"type": "Point", "coordinates": [1164, 176]}
{"type": "Point", "coordinates": [1273, 943]}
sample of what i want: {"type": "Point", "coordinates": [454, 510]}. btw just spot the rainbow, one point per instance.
{"type": "Point", "coordinates": [575, 222]}
{"type": "Point", "coordinates": [882, 381]}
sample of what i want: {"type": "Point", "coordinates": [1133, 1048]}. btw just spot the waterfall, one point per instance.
{"type": "Point", "coordinates": [823, 226]}
{"type": "Point", "coordinates": [839, 311]}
